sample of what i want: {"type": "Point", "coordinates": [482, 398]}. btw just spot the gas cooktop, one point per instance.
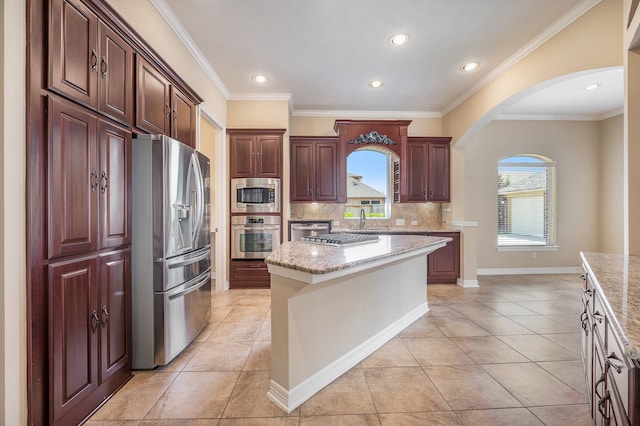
{"type": "Point", "coordinates": [340, 239]}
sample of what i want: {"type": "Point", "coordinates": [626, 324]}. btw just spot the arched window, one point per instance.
{"type": "Point", "coordinates": [526, 201]}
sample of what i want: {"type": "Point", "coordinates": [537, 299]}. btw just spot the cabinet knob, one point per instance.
{"type": "Point", "coordinates": [104, 315]}
{"type": "Point", "coordinates": [93, 182]}
{"type": "Point", "coordinates": [94, 320]}
{"type": "Point", "coordinates": [105, 182]}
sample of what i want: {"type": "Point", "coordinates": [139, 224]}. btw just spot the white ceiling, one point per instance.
{"type": "Point", "coordinates": [321, 54]}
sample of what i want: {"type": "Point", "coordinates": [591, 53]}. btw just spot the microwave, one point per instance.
{"type": "Point", "coordinates": [255, 195]}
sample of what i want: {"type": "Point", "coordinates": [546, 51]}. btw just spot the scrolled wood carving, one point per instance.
{"type": "Point", "coordinates": [372, 137]}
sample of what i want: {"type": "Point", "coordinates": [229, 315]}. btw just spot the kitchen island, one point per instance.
{"type": "Point", "coordinates": [331, 307]}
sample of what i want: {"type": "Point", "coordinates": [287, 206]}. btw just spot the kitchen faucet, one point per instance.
{"type": "Point", "coordinates": [362, 218]}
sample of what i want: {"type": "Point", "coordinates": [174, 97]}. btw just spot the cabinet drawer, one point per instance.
{"type": "Point", "coordinates": [249, 274]}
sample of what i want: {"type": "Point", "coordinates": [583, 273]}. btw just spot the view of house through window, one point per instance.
{"type": "Point", "coordinates": [526, 201]}
{"type": "Point", "coordinates": [369, 183]}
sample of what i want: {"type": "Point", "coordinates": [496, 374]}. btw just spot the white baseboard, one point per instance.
{"type": "Point", "coordinates": [292, 399]}
{"type": "Point", "coordinates": [467, 283]}
{"type": "Point", "coordinates": [532, 271]}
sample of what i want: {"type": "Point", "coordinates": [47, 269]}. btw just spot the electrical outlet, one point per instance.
{"type": "Point", "coordinates": [400, 222]}
{"type": "Point", "coordinates": [335, 222]}
{"type": "Point", "coordinates": [534, 254]}
{"type": "Point", "coordinates": [414, 222]}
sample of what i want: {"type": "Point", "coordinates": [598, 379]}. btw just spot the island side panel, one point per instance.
{"type": "Point", "coordinates": [321, 325]}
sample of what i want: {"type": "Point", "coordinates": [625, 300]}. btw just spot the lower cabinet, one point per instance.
{"type": "Point", "coordinates": [90, 341]}
{"type": "Point", "coordinates": [612, 378]}
{"type": "Point", "coordinates": [249, 274]}
{"type": "Point", "coordinates": [443, 265]}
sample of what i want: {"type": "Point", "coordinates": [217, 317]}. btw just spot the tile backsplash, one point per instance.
{"type": "Point", "coordinates": [425, 215]}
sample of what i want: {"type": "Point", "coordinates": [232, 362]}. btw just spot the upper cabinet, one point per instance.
{"type": "Point", "coordinates": [89, 62]}
{"type": "Point", "coordinates": [256, 152]}
{"type": "Point", "coordinates": [162, 107]}
{"type": "Point", "coordinates": [314, 165]}
{"type": "Point", "coordinates": [427, 169]}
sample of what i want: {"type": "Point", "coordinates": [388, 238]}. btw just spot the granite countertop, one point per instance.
{"type": "Point", "coordinates": [618, 277]}
{"type": "Point", "coordinates": [392, 230]}
{"type": "Point", "coordinates": [321, 259]}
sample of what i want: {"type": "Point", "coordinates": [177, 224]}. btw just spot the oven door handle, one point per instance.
{"type": "Point", "coordinates": [259, 228]}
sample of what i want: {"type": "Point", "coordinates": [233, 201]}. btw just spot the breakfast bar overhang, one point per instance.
{"type": "Point", "coordinates": [331, 307]}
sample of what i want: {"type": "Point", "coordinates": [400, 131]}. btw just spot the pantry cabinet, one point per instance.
{"type": "Point", "coordinates": [84, 63]}
{"type": "Point", "coordinates": [443, 265]}
{"type": "Point", "coordinates": [256, 152]}
{"type": "Point", "coordinates": [314, 165]}
{"type": "Point", "coordinates": [88, 61]}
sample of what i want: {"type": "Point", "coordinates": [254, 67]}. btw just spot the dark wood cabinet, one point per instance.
{"type": "Point", "coordinates": [89, 62]}
{"type": "Point", "coordinates": [443, 265]}
{"type": "Point", "coordinates": [249, 274]}
{"type": "Point", "coordinates": [256, 152]}
{"type": "Point", "coordinates": [428, 169]}
{"type": "Point", "coordinates": [438, 175]}
{"type": "Point", "coordinates": [183, 113]}
{"type": "Point", "coordinates": [81, 113]}
{"type": "Point", "coordinates": [161, 107]}
{"type": "Point", "coordinates": [115, 185]}
{"type": "Point", "coordinates": [90, 181]}
{"type": "Point", "coordinates": [90, 342]}
{"type": "Point", "coordinates": [153, 99]}
{"type": "Point", "coordinates": [314, 164]}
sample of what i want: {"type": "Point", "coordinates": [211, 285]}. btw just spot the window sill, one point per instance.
{"type": "Point", "coordinates": [527, 248]}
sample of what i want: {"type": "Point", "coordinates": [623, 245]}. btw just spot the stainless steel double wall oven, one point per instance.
{"type": "Point", "coordinates": [255, 221]}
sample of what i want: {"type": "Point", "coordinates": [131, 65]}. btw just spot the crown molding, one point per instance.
{"type": "Point", "coordinates": [538, 41]}
{"type": "Point", "coordinates": [171, 19]}
{"type": "Point", "coordinates": [366, 114]}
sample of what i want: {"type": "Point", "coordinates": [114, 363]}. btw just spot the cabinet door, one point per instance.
{"type": "Point", "coordinates": [73, 51]}
{"type": "Point", "coordinates": [438, 172]}
{"type": "Point", "coordinates": [242, 156]}
{"type": "Point", "coordinates": [443, 265]}
{"type": "Point", "coordinates": [416, 171]}
{"type": "Point", "coordinates": [115, 185]}
{"type": "Point", "coordinates": [73, 334]}
{"type": "Point", "coordinates": [116, 76]}
{"type": "Point", "coordinates": [73, 180]}
{"type": "Point", "coordinates": [326, 172]}
{"type": "Point", "coordinates": [268, 156]}
{"type": "Point", "coordinates": [183, 127]}
{"type": "Point", "coordinates": [115, 313]}
{"type": "Point", "coordinates": [153, 97]}
{"type": "Point", "coordinates": [302, 171]}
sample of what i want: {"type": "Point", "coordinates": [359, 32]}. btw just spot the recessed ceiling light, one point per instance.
{"type": "Point", "coordinates": [592, 86]}
{"type": "Point", "coordinates": [470, 66]}
{"type": "Point", "coordinates": [375, 84]}
{"type": "Point", "coordinates": [399, 40]}
{"type": "Point", "coordinates": [260, 78]}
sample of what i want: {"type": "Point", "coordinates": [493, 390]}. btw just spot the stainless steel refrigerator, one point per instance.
{"type": "Point", "coordinates": [171, 250]}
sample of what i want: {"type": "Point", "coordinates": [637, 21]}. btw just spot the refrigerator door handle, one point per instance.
{"type": "Point", "coordinates": [195, 166]}
{"type": "Point", "coordinates": [191, 289]}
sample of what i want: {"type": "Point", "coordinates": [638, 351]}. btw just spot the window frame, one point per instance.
{"type": "Point", "coordinates": [530, 161]}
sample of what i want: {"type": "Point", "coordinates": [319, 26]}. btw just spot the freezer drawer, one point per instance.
{"type": "Point", "coordinates": [169, 273]}
{"type": "Point", "coordinates": [180, 314]}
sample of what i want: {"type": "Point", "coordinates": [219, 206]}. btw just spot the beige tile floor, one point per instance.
{"type": "Point", "coordinates": [507, 353]}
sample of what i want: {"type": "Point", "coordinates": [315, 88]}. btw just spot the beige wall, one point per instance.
{"type": "Point", "coordinates": [611, 191]}
{"type": "Point", "coordinates": [575, 147]}
{"type": "Point", "coordinates": [148, 22]}
{"type": "Point", "coordinates": [13, 356]}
